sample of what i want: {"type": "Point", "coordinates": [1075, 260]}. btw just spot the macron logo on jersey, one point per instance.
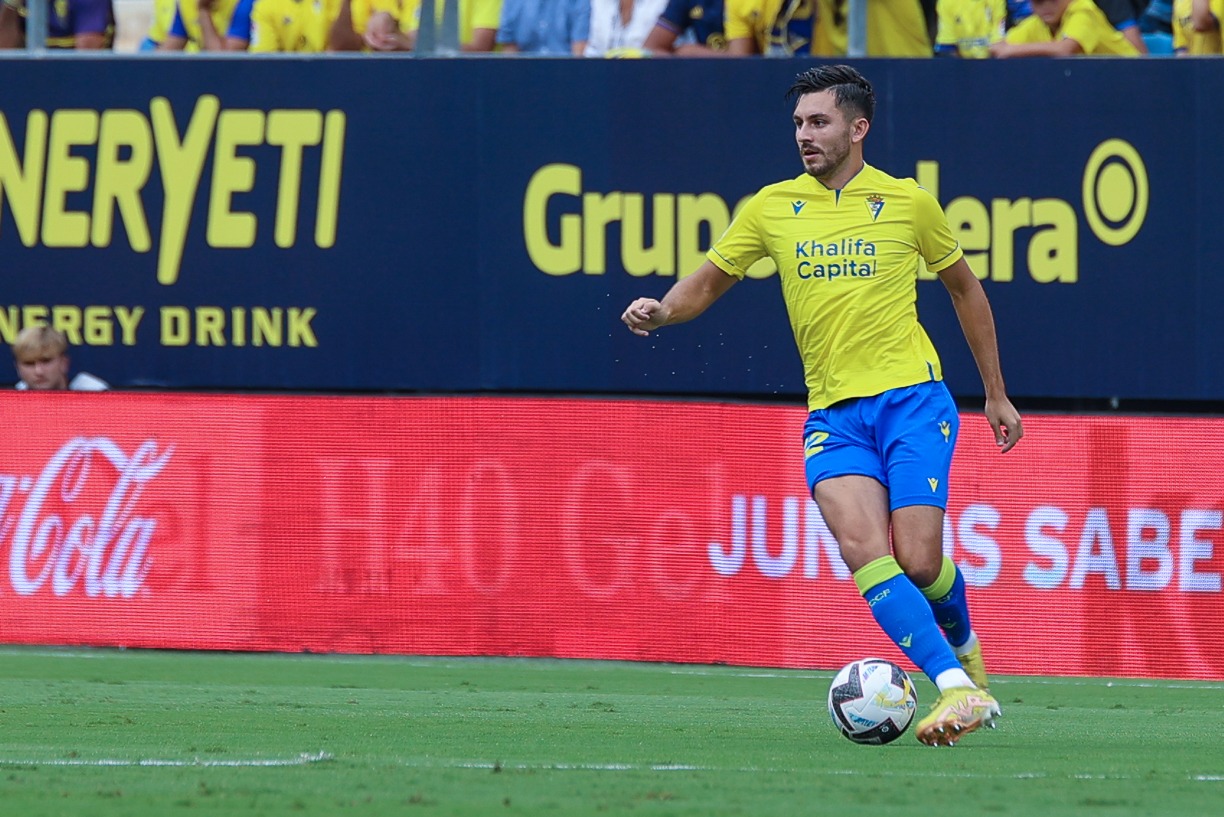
{"type": "Point", "coordinates": [798, 205]}
{"type": "Point", "coordinates": [875, 203]}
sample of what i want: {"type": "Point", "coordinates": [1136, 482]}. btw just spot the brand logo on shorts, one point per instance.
{"type": "Point", "coordinates": [812, 444]}
{"type": "Point", "coordinates": [946, 428]}
{"type": "Point", "coordinates": [934, 483]}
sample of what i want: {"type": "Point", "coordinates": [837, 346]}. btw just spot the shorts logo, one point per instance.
{"type": "Point", "coordinates": [934, 483]}
{"type": "Point", "coordinates": [798, 205]}
{"type": "Point", "coordinates": [946, 428]}
{"type": "Point", "coordinates": [813, 444]}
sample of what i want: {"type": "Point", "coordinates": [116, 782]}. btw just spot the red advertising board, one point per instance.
{"type": "Point", "coordinates": [668, 531]}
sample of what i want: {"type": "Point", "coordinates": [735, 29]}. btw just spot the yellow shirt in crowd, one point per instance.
{"type": "Point", "coordinates": [473, 14]}
{"type": "Point", "coordinates": [971, 25]}
{"type": "Point", "coordinates": [222, 15]}
{"type": "Point", "coordinates": [1195, 43]}
{"type": "Point", "coordinates": [292, 25]}
{"type": "Point", "coordinates": [895, 28]}
{"type": "Point", "coordinates": [1083, 22]}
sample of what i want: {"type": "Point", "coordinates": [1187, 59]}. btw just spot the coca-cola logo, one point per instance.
{"type": "Point", "coordinates": [77, 522]}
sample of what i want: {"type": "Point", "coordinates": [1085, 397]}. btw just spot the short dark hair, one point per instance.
{"type": "Point", "coordinates": [851, 90]}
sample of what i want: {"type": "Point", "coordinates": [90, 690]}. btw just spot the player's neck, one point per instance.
{"type": "Point", "coordinates": [840, 176]}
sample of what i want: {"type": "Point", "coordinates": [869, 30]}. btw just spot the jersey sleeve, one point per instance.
{"type": "Point", "coordinates": [1081, 28]}
{"type": "Point", "coordinates": [743, 244]}
{"type": "Point", "coordinates": [486, 14]}
{"type": "Point", "coordinates": [92, 18]}
{"type": "Point", "coordinates": [675, 16]}
{"type": "Point", "coordinates": [507, 24]}
{"type": "Point", "coordinates": [178, 28]}
{"type": "Point", "coordinates": [580, 22]}
{"type": "Point", "coordinates": [938, 247]}
{"type": "Point", "coordinates": [240, 22]}
{"type": "Point", "coordinates": [737, 22]}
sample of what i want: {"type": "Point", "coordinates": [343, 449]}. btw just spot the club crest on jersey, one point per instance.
{"type": "Point", "coordinates": [875, 203]}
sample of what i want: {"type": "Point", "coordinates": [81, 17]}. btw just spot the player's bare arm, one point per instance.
{"type": "Point", "coordinates": [1066, 47]}
{"type": "Point", "coordinates": [687, 299]}
{"type": "Point", "coordinates": [977, 322]}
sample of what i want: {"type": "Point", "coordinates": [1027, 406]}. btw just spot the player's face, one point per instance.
{"type": "Point", "coordinates": [43, 371]}
{"type": "Point", "coordinates": [1050, 11]}
{"type": "Point", "coordinates": [824, 133]}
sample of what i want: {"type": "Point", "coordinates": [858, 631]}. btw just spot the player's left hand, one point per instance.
{"type": "Point", "coordinates": [1005, 421]}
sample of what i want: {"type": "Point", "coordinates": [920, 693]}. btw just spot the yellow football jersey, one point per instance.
{"type": "Point", "coordinates": [473, 14]}
{"type": "Point", "coordinates": [971, 25]}
{"type": "Point", "coordinates": [1083, 22]}
{"type": "Point", "coordinates": [363, 10]}
{"type": "Point", "coordinates": [1195, 43]}
{"type": "Point", "coordinates": [162, 19]}
{"type": "Point", "coordinates": [292, 25]}
{"type": "Point", "coordinates": [895, 28]}
{"type": "Point", "coordinates": [848, 263]}
{"type": "Point", "coordinates": [222, 15]}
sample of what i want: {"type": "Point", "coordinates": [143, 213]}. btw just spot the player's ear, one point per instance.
{"type": "Point", "coordinates": [858, 130]}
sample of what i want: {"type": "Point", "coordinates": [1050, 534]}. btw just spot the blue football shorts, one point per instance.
{"type": "Point", "coordinates": [904, 438]}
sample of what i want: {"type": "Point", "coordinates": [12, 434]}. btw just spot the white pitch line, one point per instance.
{"type": "Point", "coordinates": [485, 765]}
{"type": "Point", "coordinates": [303, 759]}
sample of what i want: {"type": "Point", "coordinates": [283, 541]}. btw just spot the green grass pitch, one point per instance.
{"type": "Point", "coordinates": [109, 732]}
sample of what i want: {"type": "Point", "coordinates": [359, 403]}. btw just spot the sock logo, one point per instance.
{"type": "Point", "coordinates": [878, 597]}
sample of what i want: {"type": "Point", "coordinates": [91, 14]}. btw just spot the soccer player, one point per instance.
{"type": "Point", "coordinates": [847, 240]}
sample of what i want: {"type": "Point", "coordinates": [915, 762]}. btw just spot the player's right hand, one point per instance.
{"type": "Point", "coordinates": [644, 315]}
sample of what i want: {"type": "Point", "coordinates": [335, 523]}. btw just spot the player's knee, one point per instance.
{"type": "Point", "coordinates": [921, 568]}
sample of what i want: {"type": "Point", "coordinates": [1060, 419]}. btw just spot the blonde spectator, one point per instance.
{"type": "Point", "coordinates": [41, 356]}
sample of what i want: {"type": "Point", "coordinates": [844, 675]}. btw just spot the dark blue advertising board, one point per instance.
{"type": "Point", "coordinates": [363, 223]}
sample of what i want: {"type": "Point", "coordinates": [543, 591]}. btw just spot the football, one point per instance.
{"type": "Point", "coordinates": [872, 701]}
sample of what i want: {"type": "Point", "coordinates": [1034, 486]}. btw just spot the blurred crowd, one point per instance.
{"type": "Point", "coordinates": [650, 28]}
